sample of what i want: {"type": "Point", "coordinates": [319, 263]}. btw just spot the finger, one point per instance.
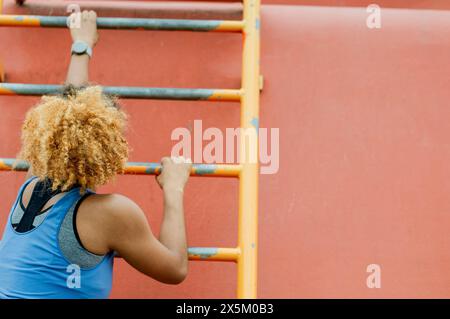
{"type": "Point", "coordinates": [92, 14]}
{"type": "Point", "coordinates": [178, 159]}
{"type": "Point", "coordinates": [165, 160]}
{"type": "Point", "coordinates": [85, 15]}
{"type": "Point", "coordinates": [186, 161]}
{"type": "Point", "coordinates": [74, 20]}
{"type": "Point", "coordinates": [75, 15]}
{"type": "Point", "coordinates": [182, 159]}
{"type": "Point", "coordinates": [72, 17]}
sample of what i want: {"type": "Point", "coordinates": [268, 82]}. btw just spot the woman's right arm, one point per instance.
{"type": "Point", "coordinates": [129, 233]}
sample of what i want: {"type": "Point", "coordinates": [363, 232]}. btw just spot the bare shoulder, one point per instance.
{"type": "Point", "coordinates": [112, 209]}
{"type": "Point", "coordinates": [105, 219]}
{"type": "Point", "coordinates": [113, 203]}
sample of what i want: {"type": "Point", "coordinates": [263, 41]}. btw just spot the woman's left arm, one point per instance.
{"type": "Point", "coordinates": [85, 33]}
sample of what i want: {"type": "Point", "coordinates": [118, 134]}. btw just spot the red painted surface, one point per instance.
{"type": "Point", "coordinates": [364, 166]}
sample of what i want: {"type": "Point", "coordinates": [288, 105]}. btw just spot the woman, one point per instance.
{"type": "Point", "coordinates": [61, 237]}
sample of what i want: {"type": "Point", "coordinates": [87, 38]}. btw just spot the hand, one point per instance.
{"type": "Point", "coordinates": [175, 173]}
{"type": "Point", "coordinates": [86, 29]}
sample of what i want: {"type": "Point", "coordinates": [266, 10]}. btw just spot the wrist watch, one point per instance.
{"type": "Point", "coordinates": [81, 47]}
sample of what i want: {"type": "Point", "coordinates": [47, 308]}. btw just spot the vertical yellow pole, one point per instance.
{"type": "Point", "coordinates": [248, 184]}
{"type": "Point", "coordinates": [2, 71]}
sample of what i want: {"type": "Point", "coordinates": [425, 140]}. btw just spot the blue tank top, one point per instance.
{"type": "Point", "coordinates": [33, 266]}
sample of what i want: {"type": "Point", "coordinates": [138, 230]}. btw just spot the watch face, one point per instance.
{"type": "Point", "coordinates": [79, 47]}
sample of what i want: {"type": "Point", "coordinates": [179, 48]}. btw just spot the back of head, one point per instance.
{"type": "Point", "coordinates": [75, 139]}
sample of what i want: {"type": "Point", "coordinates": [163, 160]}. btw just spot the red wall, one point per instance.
{"type": "Point", "coordinates": [364, 139]}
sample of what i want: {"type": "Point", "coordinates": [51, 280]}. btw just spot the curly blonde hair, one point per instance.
{"type": "Point", "coordinates": [76, 139]}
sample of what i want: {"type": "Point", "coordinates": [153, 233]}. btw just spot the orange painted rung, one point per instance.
{"type": "Point", "coordinates": [2, 71]}
{"type": "Point", "coordinates": [141, 9]}
{"type": "Point", "coordinates": [139, 168]}
{"type": "Point", "coordinates": [125, 23]}
{"type": "Point", "coordinates": [214, 254]}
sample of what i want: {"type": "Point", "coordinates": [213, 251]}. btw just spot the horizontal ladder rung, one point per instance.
{"type": "Point", "coordinates": [213, 254]}
{"type": "Point", "coordinates": [126, 23]}
{"type": "Point", "coordinates": [219, 170]}
{"type": "Point", "coordinates": [139, 9]}
{"type": "Point", "coordinates": [129, 92]}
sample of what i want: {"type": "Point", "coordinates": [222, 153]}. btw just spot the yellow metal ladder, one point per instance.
{"type": "Point", "coordinates": [245, 254]}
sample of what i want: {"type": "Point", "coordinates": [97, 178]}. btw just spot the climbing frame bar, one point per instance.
{"type": "Point", "coordinates": [138, 168]}
{"type": "Point", "coordinates": [140, 9]}
{"type": "Point", "coordinates": [2, 70]}
{"type": "Point", "coordinates": [125, 23]}
{"type": "Point", "coordinates": [214, 254]}
{"type": "Point", "coordinates": [129, 92]}
{"type": "Point", "coordinates": [246, 253]}
{"type": "Point", "coordinates": [248, 186]}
